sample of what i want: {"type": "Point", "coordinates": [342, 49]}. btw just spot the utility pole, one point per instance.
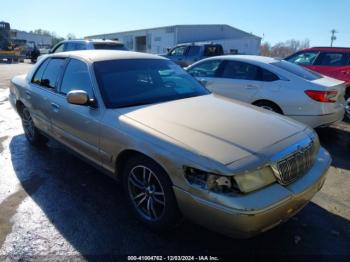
{"type": "Point", "coordinates": [333, 37]}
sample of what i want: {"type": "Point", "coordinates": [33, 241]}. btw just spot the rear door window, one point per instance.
{"type": "Point", "coordinates": [240, 70]}
{"type": "Point", "coordinates": [52, 72]}
{"type": "Point", "coordinates": [74, 46]}
{"type": "Point", "coordinates": [303, 58]}
{"type": "Point", "coordinates": [267, 76]}
{"type": "Point", "coordinates": [332, 59]}
{"type": "Point", "coordinates": [193, 51]}
{"type": "Point", "coordinates": [213, 50]}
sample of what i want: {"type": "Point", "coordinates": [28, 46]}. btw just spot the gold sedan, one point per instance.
{"type": "Point", "coordinates": [179, 150]}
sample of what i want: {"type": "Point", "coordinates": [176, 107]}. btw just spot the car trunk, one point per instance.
{"type": "Point", "coordinates": [330, 84]}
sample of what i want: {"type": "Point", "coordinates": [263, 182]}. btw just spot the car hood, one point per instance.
{"type": "Point", "coordinates": [222, 129]}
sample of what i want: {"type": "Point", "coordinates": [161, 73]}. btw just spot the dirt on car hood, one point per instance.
{"type": "Point", "coordinates": [222, 129]}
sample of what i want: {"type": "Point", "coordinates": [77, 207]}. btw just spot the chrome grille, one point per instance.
{"type": "Point", "coordinates": [296, 164]}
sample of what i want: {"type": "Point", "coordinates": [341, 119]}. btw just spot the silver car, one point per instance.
{"type": "Point", "coordinates": [87, 44]}
{"type": "Point", "coordinates": [179, 150]}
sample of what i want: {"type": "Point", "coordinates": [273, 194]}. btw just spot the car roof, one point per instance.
{"type": "Point", "coordinates": [328, 49]}
{"type": "Point", "coordinates": [247, 58]}
{"type": "Point", "coordinates": [104, 55]}
{"type": "Point", "coordinates": [91, 41]}
{"type": "Point", "coordinates": [198, 44]}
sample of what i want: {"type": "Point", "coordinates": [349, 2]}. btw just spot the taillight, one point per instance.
{"type": "Point", "coordinates": [323, 96]}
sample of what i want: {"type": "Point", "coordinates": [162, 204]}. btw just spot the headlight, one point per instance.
{"type": "Point", "coordinates": [254, 180]}
{"type": "Point", "coordinates": [208, 181]}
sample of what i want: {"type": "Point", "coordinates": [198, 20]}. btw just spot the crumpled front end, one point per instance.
{"type": "Point", "coordinates": [245, 215]}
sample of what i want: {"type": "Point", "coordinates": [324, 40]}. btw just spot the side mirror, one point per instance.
{"type": "Point", "coordinates": [45, 82]}
{"type": "Point", "coordinates": [78, 97]}
{"type": "Point", "coordinates": [203, 82]}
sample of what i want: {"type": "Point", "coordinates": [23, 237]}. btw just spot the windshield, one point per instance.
{"type": "Point", "coordinates": [132, 82]}
{"type": "Point", "coordinates": [109, 46]}
{"type": "Point", "coordinates": [297, 70]}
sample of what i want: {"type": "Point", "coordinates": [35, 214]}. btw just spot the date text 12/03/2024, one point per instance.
{"type": "Point", "coordinates": [173, 258]}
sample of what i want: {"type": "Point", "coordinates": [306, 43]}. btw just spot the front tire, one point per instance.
{"type": "Point", "coordinates": [149, 192]}
{"type": "Point", "coordinates": [32, 134]}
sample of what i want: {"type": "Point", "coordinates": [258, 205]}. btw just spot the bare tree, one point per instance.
{"type": "Point", "coordinates": [283, 49]}
{"type": "Point", "coordinates": [55, 37]}
{"type": "Point", "coordinates": [71, 36]}
{"type": "Point", "coordinates": [265, 49]}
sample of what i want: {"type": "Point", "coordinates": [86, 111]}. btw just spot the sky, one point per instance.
{"type": "Point", "coordinates": [273, 20]}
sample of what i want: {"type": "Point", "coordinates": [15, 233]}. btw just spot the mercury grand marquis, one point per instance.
{"type": "Point", "coordinates": [179, 150]}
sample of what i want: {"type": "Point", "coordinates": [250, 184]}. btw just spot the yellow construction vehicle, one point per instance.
{"type": "Point", "coordinates": [7, 50]}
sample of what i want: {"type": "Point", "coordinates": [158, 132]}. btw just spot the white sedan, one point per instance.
{"type": "Point", "coordinates": [276, 85]}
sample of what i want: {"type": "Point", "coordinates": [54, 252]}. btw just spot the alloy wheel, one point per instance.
{"type": "Point", "coordinates": [28, 124]}
{"type": "Point", "coordinates": [146, 193]}
{"type": "Point", "coordinates": [347, 108]}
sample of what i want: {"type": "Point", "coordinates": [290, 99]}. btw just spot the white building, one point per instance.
{"type": "Point", "coordinates": [22, 37]}
{"type": "Point", "coordinates": [159, 40]}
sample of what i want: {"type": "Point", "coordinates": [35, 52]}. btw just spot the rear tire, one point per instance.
{"type": "Point", "coordinates": [269, 106]}
{"type": "Point", "coordinates": [32, 134]}
{"type": "Point", "coordinates": [150, 195]}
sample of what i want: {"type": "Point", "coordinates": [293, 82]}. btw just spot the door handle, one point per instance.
{"type": "Point", "coordinates": [28, 94]}
{"type": "Point", "coordinates": [251, 87]}
{"type": "Point", "coordinates": [55, 107]}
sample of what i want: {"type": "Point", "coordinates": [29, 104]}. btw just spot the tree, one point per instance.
{"type": "Point", "coordinates": [55, 38]}
{"type": "Point", "coordinates": [283, 49]}
{"type": "Point", "coordinates": [71, 36]}
{"type": "Point", "coordinates": [40, 32]}
{"type": "Point", "coordinates": [265, 49]}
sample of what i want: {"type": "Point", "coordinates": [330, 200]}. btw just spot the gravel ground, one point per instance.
{"type": "Point", "coordinates": [53, 206]}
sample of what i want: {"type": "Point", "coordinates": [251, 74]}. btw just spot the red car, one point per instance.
{"type": "Point", "coordinates": [329, 61]}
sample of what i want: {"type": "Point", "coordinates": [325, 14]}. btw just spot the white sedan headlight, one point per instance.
{"type": "Point", "coordinates": [250, 181]}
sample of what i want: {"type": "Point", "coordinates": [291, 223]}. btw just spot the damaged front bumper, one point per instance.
{"type": "Point", "coordinates": [244, 216]}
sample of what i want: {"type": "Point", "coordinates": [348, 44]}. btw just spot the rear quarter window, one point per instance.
{"type": "Point", "coordinates": [297, 70]}
{"type": "Point", "coordinates": [39, 72]}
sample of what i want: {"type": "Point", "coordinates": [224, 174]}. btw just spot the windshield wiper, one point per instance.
{"type": "Point", "coordinates": [135, 104]}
